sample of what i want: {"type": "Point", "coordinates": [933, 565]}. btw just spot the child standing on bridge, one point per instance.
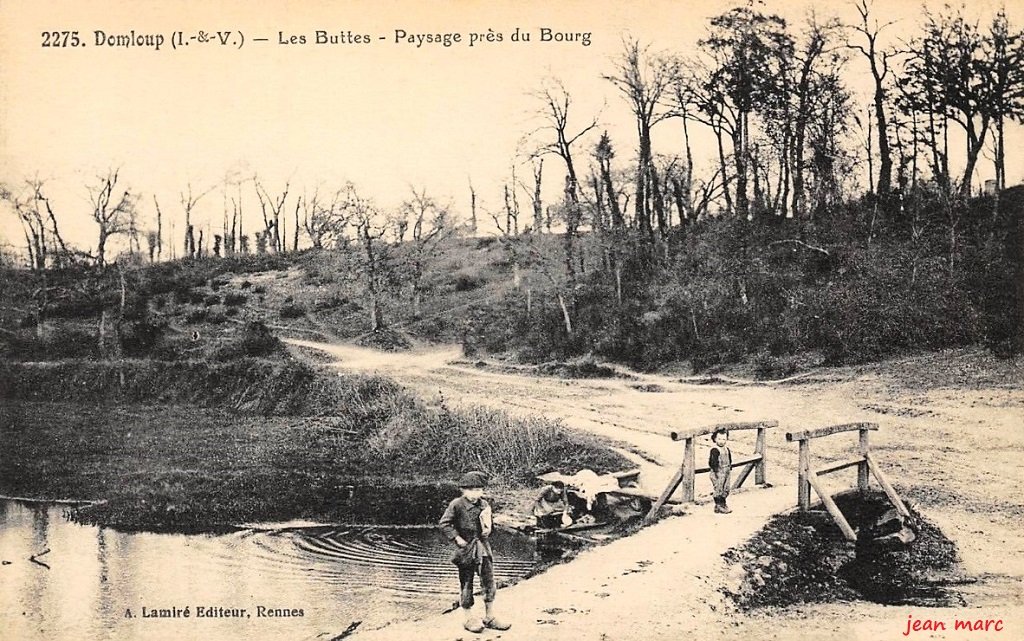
{"type": "Point", "coordinates": [720, 462]}
{"type": "Point", "coordinates": [468, 523]}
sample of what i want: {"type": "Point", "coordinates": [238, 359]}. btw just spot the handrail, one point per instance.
{"type": "Point", "coordinates": [828, 430]}
{"type": "Point", "coordinates": [731, 427]}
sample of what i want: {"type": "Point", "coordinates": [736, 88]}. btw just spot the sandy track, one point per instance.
{"type": "Point", "coordinates": [958, 451]}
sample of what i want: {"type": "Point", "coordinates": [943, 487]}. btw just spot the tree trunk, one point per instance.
{"type": "Point", "coordinates": [565, 314]}
{"type": "Point", "coordinates": [538, 207]}
{"type": "Point", "coordinates": [739, 153]}
{"type": "Point", "coordinates": [101, 245]}
{"type": "Point", "coordinates": [618, 282]}
{"type": "Point", "coordinates": [658, 200]}
{"type": "Point", "coordinates": [376, 315]}
{"type": "Point", "coordinates": [884, 153]}
{"type": "Point", "coordinates": [118, 348]}
{"type": "Point", "coordinates": [724, 168]}
{"type": "Point", "coordinates": [688, 192]}
{"type": "Point", "coordinates": [643, 219]}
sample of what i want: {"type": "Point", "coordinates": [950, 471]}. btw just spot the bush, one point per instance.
{"type": "Point", "coordinates": [197, 315]}
{"type": "Point", "coordinates": [211, 300]}
{"type": "Point", "coordinates": [386, 339]}
{"type": "Point", "coordinates": [246, 284]}
{"type": "Point", "coordinates": [260, 289]}
{"type": "Point", "coordinates": [255, 340]}
{"type": "Point", "coordinates": [188, 296]}
{"type": "Point", "coordinates": [234, 299]}
{"type": "Point", "coordinates": [769, 367]}
{"type": "Point", "coordinates": [70, 343]}
{"type": "Point", "coordinates": [291, 310]}
{"type": "Point", "coordinates": [139, 338]}
{"type": "Point", "coordinates": [467, 282]}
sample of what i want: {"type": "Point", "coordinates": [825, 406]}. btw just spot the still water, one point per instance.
{"type": "Point", "coordinates": [96, 581]}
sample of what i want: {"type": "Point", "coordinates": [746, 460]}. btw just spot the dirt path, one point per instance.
{"type": "Point", "coordinates": [957, 451]}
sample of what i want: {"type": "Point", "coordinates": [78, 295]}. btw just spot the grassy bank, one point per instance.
{"type": "Point", "coordinates": [198, 447]}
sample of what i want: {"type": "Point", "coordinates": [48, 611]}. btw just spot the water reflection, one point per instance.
{"type": "Point", "coordinates": [99, 580]}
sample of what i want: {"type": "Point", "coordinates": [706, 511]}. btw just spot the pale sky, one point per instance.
{"type": "Point", "coordinates": [384, 115]}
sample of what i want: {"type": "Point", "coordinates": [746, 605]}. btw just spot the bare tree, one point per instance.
{"type": "Point", "coordinates": [327, 221]}
{"type": "Point", "coordinates": [272, 208]}
{"type": "Point", "coordinates": [472, 207]}
{"type": "Point", "coordinates": [645, 79]}
{"type": "Point", "coordinates": [376, 262]}
{"type": "Point", "coordinates": [430, 225]}
{"type": "Point", "coordinates": [113, 210]}
{"type": "Point", "coordinates": [44, 244]}
{"type": "Point", "coordinates": [189, 199]}
{"type": "Point", "coordinates": [878, 58]}
{"type": "Point", "coordinates": [556, 103]}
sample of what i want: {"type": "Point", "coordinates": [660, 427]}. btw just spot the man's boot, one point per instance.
{"type": "Point", "coordinates": [719, 505]}
{"type": "Point", "coordinates": [494, 622]}
{"type": "Point", "coordinates": [725, 508]}
{"type": "Point", "coordinates": [472, 623]}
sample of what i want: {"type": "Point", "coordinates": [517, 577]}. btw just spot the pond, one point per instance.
{"type": "Point", "coordinates": [298, 583]}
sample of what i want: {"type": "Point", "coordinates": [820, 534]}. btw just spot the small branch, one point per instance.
{"type": "Point", "coordinates": [801, 243]}
{"type": "Point", "coordinates": [35, 558]}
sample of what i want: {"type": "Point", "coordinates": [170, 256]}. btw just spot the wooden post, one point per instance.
{"type": "Point", "coordinates": [689, 466]}
{"type": "Point", "coordinates": [894, 498]}
{"type": "Point", "coordinates": [761, 450]}
{"type": "Point", "coordinates": [862, 468]}
{"type": "Point", "coordinates": [803, 487]}
{"type": "Point", "coordinates": [831, 506]}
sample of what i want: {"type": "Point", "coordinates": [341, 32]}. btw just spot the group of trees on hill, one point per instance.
{"type": "Point", "coordinates": [660, 258]}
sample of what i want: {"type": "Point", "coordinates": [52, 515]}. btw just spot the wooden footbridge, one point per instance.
{"type": "Point", "coordinates": [808, 476]}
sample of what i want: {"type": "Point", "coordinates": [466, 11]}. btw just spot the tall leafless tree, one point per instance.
{"type": "Point", "coordinates": [113, 210]}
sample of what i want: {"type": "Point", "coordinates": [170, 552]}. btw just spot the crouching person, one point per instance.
{"type": "Point", "coordinates": [468, 523]}
{"type": "Point", "coordinates": [551, 509]}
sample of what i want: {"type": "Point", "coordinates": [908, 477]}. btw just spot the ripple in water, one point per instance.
{"type": "Point", "coordinates": [335, 574]}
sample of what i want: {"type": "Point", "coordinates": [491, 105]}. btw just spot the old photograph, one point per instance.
{"type": "Point", "coordinates": [512, 321]}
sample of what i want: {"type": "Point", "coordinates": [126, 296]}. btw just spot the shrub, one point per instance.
{"type": "Point", "coordinates": [292, 311]}
{"type": "Point", "coordinates": [211, 300]}
{"type": "Point", "coordinates": [197, 315]}
{"type": "Point", "coordinates": [233, 299]}
{"type": "Point", "coordinates": [260, 289]}
{"type": "Point", "coordinates": [246, 284]}
{"type": "Point", "coordinates": [467, 282]}
{"type": "Point", "coordinates": [188, 296]}
{"type": "Point", "coordinates": [255, 340]}
{"type": "Point", "coordinates": [139, 338]}
{"type": "Point", "coordinates": [767, 366]}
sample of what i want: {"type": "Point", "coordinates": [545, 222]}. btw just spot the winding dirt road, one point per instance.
{"type": "Point", "coordinates": [957, 451]}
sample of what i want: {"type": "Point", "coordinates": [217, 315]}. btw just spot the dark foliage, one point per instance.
{"type": "Point", "coordinates": [932, 275]}
{"type": "Point", "coordinates": [292, 310]}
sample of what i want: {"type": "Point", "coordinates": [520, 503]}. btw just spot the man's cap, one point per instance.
{"type": "Point", "coordinates": [473, 479]}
